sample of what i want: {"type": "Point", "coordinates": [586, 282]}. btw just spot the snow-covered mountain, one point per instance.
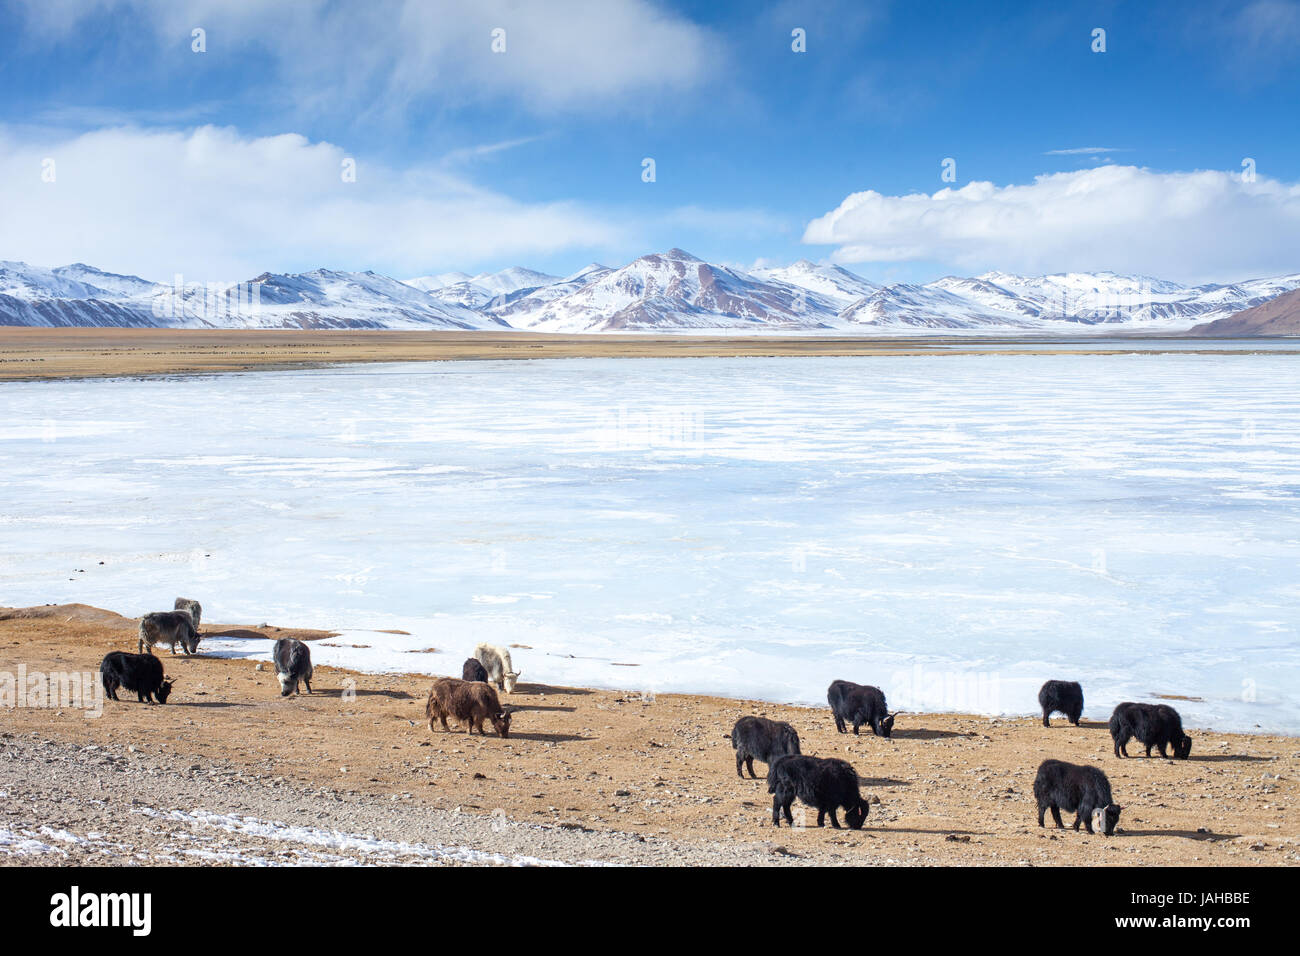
{"type": "Point", "coordinates": [673, 291]}
{"type": "Point", "coordinates": [79, 295]}
{"type": "Point", "coordinates": [661, 292]}
{"type": "Point", "coordinates": [830, 282]}
{"type": "Point", "coordinates": [483, 290]}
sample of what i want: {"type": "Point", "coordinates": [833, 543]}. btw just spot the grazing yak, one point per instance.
{"type": "Point", "coordinates": [823, 783]}
{"type": "Point", "coordinates": [1078, 789]}
{"type": "Point", "coordinates": [859, 704]}
{"type": "Point", "coordinates": [168, 627]}
{"type": "Point", "coordinates": [761, 739]}
{"type": "Point", "coordinates": [141, 674]}
{"type": "Point", "coordinates": [472, 670]}
{"type": "Point", "coordinates": [1061, 697]}
{"type": "Point", "coordinates": [496, 661]}
{"type": "Point", "coordinates": [292, 664]}
{"type": "Point", "coordinates": [1154, 725]}
{"type": "Point", "coordinates": [468, 702]}
{"type": "Point", "coordinates": [194, 607]}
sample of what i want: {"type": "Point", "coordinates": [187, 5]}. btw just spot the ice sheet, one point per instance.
{"type": "Point", "coordinates": [953, 528]}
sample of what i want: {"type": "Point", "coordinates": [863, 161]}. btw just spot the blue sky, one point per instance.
{"type": "Point", "coordinates": [223, 162]}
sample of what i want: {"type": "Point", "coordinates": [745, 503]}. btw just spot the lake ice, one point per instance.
{"type": "Point", "coordinates": [955, 529]}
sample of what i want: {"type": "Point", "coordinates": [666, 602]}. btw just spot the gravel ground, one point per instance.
{"type": "Point", "coordinates": [93, 805]}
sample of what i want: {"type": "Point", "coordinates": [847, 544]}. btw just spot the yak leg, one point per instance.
{"type": "Point", "coordinates": [821, 818]}
{"type": "Point", "coordinates": [1056, 815]}
{"type": "Point", "coordinates": [834, 821]}
{"type": "Point", "coordinates": [1041, 811]}
{"type": "Point", "coordinates": [749, 762]}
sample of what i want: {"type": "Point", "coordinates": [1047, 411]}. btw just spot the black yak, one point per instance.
{"type": "Point", "coordinates": [858, 704]}
{"type": "Point", "coordinates": [1076, 789]}
{"type": "Point", "coordinates": [761, 739]}
{"type": "Point", "coordinates": [472, 670]}
{"type": "Point", "coordinates": [823, 783]}
{"type": "Point", "coordinates": [292, 664]}
{"type": "Point", "coordinates": [141, 674]}
{"type": "Point", "coordinates": [1063, 697]}
{"type": "Point", "coordinates": [1154, 725]}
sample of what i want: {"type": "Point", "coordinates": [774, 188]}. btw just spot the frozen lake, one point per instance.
{"type": "Point", "coordinates": [955, 529]}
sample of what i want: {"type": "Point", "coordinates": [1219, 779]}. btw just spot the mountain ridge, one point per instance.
{"type": "Point", "coordinates": [670, 291]}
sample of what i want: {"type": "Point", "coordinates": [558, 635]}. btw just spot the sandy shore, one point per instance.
{"type": "Point", "coordinates": [585, 775]}
{"type": "Point", "coordinates": [36, 353]}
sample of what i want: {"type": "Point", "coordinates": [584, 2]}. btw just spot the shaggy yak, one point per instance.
{"type": "Point", "coordinates": [168, 627]}
{"type": "Point", "coordinates": [858, 704]}
{"type": "Point", "coordinates": [823, 783]}
{"type": "Point", "coordinates": [757, 738]}
{"type": "Point", "coordinates": [1061, 697]}
{"type": "Point", "coordinates": [496, 661]}
{"type": "Point", "coordinates": [1078, 789]}
{"type": "Point", "coordinates": [468, 702]}
{"type": "Point", "coordinates": [292, 664]}
{"type": "Point", "coordinates": [1154, 725]}
{"type": "Point", "coordinates": [141, 674]}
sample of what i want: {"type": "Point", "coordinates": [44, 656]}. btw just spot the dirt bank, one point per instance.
{"type": "Point", "coordinates": [35, 353]}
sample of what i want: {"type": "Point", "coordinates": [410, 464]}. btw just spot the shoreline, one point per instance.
{"type": "Point", "coordinates": [585, 775]}
{"type": "Point", "coordinates": [44, 354]}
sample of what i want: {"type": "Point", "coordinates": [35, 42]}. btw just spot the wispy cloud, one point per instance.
{"type": "Point", "coordinates": [1194, 226]}
{"type": "Point", "coordinates": [1086, 150]}
{"type": "Point", "coordinates": [468, 154]}
{"type": "Point", "coordinates": [563, 55]}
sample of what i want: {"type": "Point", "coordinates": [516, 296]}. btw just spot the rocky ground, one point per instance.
{"type": "Point", "coordinates": [229, 772]}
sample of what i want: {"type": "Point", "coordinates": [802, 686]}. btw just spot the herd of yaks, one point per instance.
{"type": "Point", "coordinates": [826, 784]}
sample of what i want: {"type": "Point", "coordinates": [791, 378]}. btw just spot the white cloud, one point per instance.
{"type": "Point", "coordinates": [219, 206]}
{"type": "Point", "coordinates": [381, 55]}
{"type": "Point", "coordinates": [1193, 226]}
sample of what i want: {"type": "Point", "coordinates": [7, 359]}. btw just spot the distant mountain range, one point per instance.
{"type": "Point", "coordinates": [662, 292]}
{"type": "Point", "coordinates": [1278, 316]}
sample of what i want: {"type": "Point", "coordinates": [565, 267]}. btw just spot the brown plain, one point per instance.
{"type": "Point", "coordinates": [39, 353]}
